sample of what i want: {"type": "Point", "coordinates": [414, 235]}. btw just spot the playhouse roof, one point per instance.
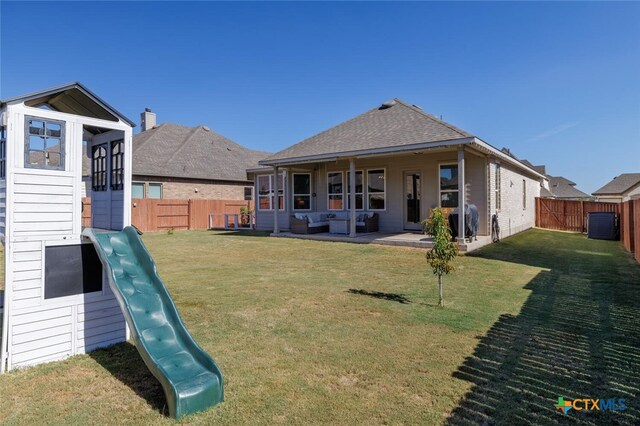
{"type": "Point", "coordinates": [72, 98]}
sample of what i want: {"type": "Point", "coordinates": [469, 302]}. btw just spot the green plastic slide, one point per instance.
{"type": "Point", "coordinates": [191, 379]}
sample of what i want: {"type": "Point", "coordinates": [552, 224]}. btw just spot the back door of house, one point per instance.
{"type": "Point", "coordinates": [412, 192]}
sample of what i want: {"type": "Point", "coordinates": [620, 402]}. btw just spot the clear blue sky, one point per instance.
{"type": "Point", "coordinates": [557, 83]}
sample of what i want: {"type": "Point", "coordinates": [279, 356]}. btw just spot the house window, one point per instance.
{"type": "Point", "coordinates": [266, 199]}
{"type": "Point", "coordinates": [99, 168]}
{"type": "Point", "coordinates": [524, 194]}
{"type": "Point", "coordinates": [302, 191]}
{"type": "Point", "coordinates": [449, 185]}
{"type": "Point", "coordinates": [117, 165]}
{"type": "Point", "coordinates": [154, 190]}
{"type": "Point", "coordinates": [335, 190]}
{"type": "Point", "coordinates": [137, 190]}
{"type": "Point", "coordinates": [3, 152]}
{"type": "Point", "coordinates": [359, 190]}
{"type": "Point", "coordinates": [248, 193]}
{"type": "Point", "coordinates": [497, 188]}
{"type": "Point", "coordinates": [376, 189]}
{"type": "Point", "coordinates": [44, 144]}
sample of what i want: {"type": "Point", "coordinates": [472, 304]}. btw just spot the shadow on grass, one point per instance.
{"type": "Point", "coordinates": [576, 336]}
{"type": "Point", "coordinates": [393, 297]}
{"type": "Point", "coordinates": [124, 363]}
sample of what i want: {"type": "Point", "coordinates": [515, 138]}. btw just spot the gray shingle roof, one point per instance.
{"type": "Point", "coordinates": [563, 188]}
{"type": "Point", "coordinates": [620, 184]}
{"type": "Point", "coordinates": [172, 150]}
{"type": "Point", "coordinates": [394, 126]}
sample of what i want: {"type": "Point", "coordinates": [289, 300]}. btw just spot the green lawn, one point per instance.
{"type": "Point", "coordinates": [313, 332]}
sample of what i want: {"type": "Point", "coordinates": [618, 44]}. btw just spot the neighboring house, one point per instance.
{"type": "Point", "coordinates": [622, 188]}
{"type": "Point", "coordinates": [404, 162]}
{"type": "Point", "coordinates": [563, 189]}
{"type": "Point", "coordinates": [179, 162]}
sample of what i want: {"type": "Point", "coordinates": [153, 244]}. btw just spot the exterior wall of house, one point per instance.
{"type": "Point", "coordinates": [513, 216]}
{"type": "Point", "coordinates": [392, 218]}
{"type": "Point", "coordinates": [184, 189]}
{"type": "Point", "coordinates": [609, 198]}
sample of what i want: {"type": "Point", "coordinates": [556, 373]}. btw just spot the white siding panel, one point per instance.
{"type": "Point", "coordinates": [21, 362]}
{"type": "Point", "coordinates": [46, 324]}
{"type": "Point", "coordinates": [32, 356]}
{"type": "Point", "coordinates": [35, 316]}
{"type": "Point", "coordinates": [38, 335]}
{"type": "Point", "coordinates": [43, 189]}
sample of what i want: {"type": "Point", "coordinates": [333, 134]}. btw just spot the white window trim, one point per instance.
{"type": "Point", "coordinates": [271, 195]}
{"type": "Point", "coordinates": [348, 186]}
{"type": "Point", "coordinates": [384, 170]}
{"type": "Point", "coordinates": [440, 191]}
{"type": "Point", "coordinates": [335, 193]}
{"type": "Point", "coordinates": [498, 187]}
{"type": "Point", "coordinates": [293, 194]}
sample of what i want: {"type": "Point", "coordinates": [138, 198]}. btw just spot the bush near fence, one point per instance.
{"type": "Point", "coordinates": [569, 215]}
{"type": "Point", "coordinates": [151, 215]}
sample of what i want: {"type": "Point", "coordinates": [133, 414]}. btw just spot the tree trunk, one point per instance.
{"type": "Point", "coordinates": [441, 301]}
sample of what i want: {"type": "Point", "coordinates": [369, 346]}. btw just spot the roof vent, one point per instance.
{"type": "Point", "coordinates": [206, 128]}
{"type": "Point", "coordinates": [417, 106]}
{"type": "Point", "coordinates": [388, 104]}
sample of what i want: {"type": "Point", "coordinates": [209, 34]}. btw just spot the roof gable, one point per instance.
{"type": "Point", "coordinates": [72, 98]}
{"type": "Point", "coordinates": [620, 184]}
{"type": "Point", "coordinates": [394, 124]}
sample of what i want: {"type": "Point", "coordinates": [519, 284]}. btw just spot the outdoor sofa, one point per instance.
{"type": "Point", "coordinates": [314, 222]}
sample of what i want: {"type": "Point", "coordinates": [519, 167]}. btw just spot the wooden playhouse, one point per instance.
{"type": "Point", "coordinates": [57, 301]}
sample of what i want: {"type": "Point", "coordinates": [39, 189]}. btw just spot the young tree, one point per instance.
{"type": "Point", "coordinates": [443, 252]}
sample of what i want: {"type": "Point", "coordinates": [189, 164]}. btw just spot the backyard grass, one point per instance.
{"type": "Point", "coordinates": [311, 332]}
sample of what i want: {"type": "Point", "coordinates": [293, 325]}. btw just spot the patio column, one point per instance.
{"type": "Point", "coordinates": [462, 196]}
{"type": "Point", "coordinates": [276, 201]}
{"type": "Point", "coordinates": [352, 197]}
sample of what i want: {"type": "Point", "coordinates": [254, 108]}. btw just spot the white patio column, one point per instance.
{"type": "Point", "coordinates": [461, 195]}
{"type": "Point", "coordinates": [352, 197]}
{"type": "Point", "coordinates": [276, 201]}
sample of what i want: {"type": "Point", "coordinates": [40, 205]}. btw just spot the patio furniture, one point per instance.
{"type": "Point", "coordinates": [315, 222]}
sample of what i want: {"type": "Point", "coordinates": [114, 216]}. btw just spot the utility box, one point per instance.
{"type": "Point", "coordinates": [603, 226]}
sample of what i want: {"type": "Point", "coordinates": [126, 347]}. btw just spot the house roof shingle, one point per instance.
{"type": "Point", "coordinates": [562, 187]}
{"type": "Point", "coordinates": [395, 125]}
{"type": "Point", "coordinates": [620, 184]}
{"type": "Point", "coordinates": [191, 152]}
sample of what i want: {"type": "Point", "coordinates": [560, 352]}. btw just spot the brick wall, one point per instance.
{"type": "Point", "coordinates": [206, 190]}
{"type": "Point", "coordinates": [512, 217]}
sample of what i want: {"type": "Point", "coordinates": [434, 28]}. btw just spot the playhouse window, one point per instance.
{"type": "Point", "coordinates": [99, 168]}
{"type": "Point", "coordinates": [3, 152]}
{"type": "Point", "coordinates": [117, 165]}
{"type": "Point", "coordinates": [44, 143]}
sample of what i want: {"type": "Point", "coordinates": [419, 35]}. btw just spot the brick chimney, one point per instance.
{"type": "Point", "coordinates": [147, 119]}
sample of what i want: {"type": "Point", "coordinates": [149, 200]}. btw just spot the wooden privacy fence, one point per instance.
{"type": "Point", "coordinates": [567, 215]}
{"type": "Point", "coordinates": [163, 214]}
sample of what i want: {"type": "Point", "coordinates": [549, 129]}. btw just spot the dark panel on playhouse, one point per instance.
{"type": "Point", "coordinates": [71, 269]}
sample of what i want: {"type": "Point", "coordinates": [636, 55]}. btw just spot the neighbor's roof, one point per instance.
{"type": "Point", "coordinates": [172, 150]}
{"type": "Point", "coordinates": [563, 188]}
{"type": "Point", "coordinates": [396, 125]}
{"type": "Point", "coordinates": [72, 98]}
{"type": "Point", "coordinates": [620, 184]}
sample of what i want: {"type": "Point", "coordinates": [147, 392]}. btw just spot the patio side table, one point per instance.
{"type": "Point", "coordinates": [339, 226]}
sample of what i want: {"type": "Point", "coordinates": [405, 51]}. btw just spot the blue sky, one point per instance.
{"type": "Point", "coordinates": [557, 83]}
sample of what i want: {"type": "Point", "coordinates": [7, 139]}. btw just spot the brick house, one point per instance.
{"type": "Point", "coordinates": [179, 162]}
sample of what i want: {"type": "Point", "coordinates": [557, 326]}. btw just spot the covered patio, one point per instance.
{"type": "Point", "coordinates": [401, 239]}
